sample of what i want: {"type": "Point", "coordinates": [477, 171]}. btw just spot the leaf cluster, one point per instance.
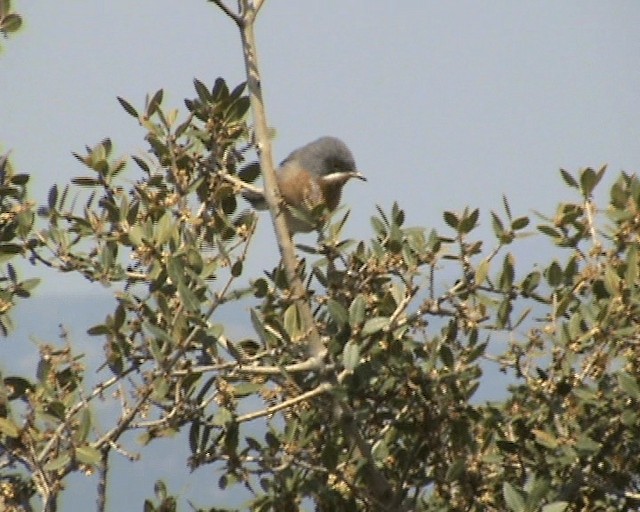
{"type": "Point", "coordinates": [413, 321]}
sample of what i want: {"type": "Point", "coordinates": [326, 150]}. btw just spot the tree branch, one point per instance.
{"type": "Point", "coordinates": [374, 479]}
{"type": "Point", "coordinates": [322, 388]}
{"type": "Point", "coordinates": [237, 19]}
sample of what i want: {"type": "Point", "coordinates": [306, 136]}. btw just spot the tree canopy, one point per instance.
{"type": "Point", "coordinates": [364, 364]}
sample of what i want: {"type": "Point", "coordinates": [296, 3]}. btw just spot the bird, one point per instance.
{"type": "Point", "coordinates": [310, 176]}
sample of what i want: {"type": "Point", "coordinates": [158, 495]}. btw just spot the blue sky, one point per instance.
{"type": "Point", "coordinates": [444, 104]}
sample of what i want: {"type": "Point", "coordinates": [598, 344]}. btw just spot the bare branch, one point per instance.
{"type": "Point", "coordinates": [103, 474]}
{"type": "Point", "coordinates": [313, 363]}
{"type": "Point", "coordinates": [257, 4]}
{"type": "Point", "coordinates": [240, 184]}
{"type": "Point", "coordinates": [322, 388]}
{"type": "Point", "coordinates": [237, 19]}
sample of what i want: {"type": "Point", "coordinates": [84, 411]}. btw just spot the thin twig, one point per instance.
{"type": "Point", "coordinates": [98, 390]}
{"type": "Point", "coordinates": [228, 12]}
{"type": "Point", "coordinates": [240, 184]}
{"type": "Point", "coordinates": [322, 388]}
{"type": "Point", "coordinates": [313, 363]}
{"type": "Point", "coordinates": [103, 473]}
{"type": "Point", "coordinates": [589, 207]}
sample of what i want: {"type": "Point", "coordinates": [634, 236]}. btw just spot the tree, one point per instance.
{"type": "Point", "coordinates": [364, 363]}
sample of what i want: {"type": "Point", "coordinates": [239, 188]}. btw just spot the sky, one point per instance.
{"type": "Point", "coordinates": [444, 105]}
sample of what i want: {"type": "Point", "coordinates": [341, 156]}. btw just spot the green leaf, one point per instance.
{"type": "Point", "coordinates": [452, 220]}
{"type": "Point", "coordinates": [520, 223]}
{"type": "Point", "coordinates": [446, 356]}
{"type": "Point", "coordinates": [629, 418]}
{"type": "Point", "coordinates": [556, 506]}
{"type": "Point", "coordinates": [88, 455]}
{"type": "Point", "coordinates": [380, 450]}
{"type": "Point", "coordinates": [238, 109]}
{"type": "Point", "coordinates": [85, 181]}
{"type": "Point", "coordinates": [141, 163]}
{"type": "Point", "coordinates": [629, 384]}
{"type": "Point", "coordinates": [246, 389]}
{"type": "Point", "coordinates": [236, 268]}
{"type": "Point", "coordinates": [222, 417]}
{"type": "Point", "coordinates": [378, 226]}
{"type": "Point", "coordinates": [612, 281]}
{"type": "Point", "coordinates": [154, 103]}
{"type": "Point", "coordinates": [631, 274]}
{"type": "Point", "coordinates": [575, 325]}
{"type": "Point", "coordinates": [160, 490]}
{"type": "Point", "coordinates": [128, 107]}
{"type": "Point", "coordinates": [9, 428]}
{"type": "Point", "coordinates": [549, 231]}
{"type": "Point", "coordinates": [504, 312]}
{"type": "Point", "coordinates": [530, 283]}
{"type": "Point", "coordinates": [554, 274]}
{"type": "Point", "coordinates": [507, 208]}
{"type": "Point", "coordinates": [238, 90]}
{"type": "Point", "coordinates": [351, 355]}
{"type": "Point", "coordinates": [258, 326]}
{"type": "Point", "coordinates": [508, 273]}
{"type": "Point", "coordinates": [292, 322]}
{"type": "Point", "coordinates": [589, 179]}
{"type": "Point", "coordinates": [58, 463]}
{"type": "Point", "coordinates": [56, 409]}
{"type": "Point", "coordinates": [374, 325]}
{"type": "Point", "coordinates": [308, 249]}
{"type": "Point", "coordinates": [189, 298]}
{"type": "Point", "coordinates": [538, 490]}
{"type": "Point", "coordinates": [161, 387]}
{"type": "Point", "coordinates": [202, 91]}
{"type": "Point", "coordinates": [84, 426]}
{"type": "Point", "coordinates": [176, 270]}
{"type": "Point", "coordinates": [220, 90]}
{"type": "Point", "coordinates": [250, 172]}
{"type": "Point", "coordinates": [338, 312]}
{"type": "Point", "coordinates": [164, 229]}
{"type": "Point", "coordinates": [19, 179]}
{"type": "Point", "coordinates": [357, 311]}
{"type": "Point", "coordinates": [10, 23]}
{"type": "Point", "coordinates": [482, 271]}
{"type": "Point", "coordinates": [568, 179]}
{"type": "Point", "coordinates": [586, 444]}
{"type": "Point", "coordinates": [496, 223]}
{"type": "Point", "coordinates": [29, 284]}
{"type": "Point", "coordinates": [98, 330]}
{"type": "Point", "coordinates": [157, 332]}
{"type": "Point", "coordinates": [456, 470]}
{"type": "Point", "coordinates": [468, 221]}
{"type": "Point", "coordinates": [513, 498]}
{"type": "Point", "coordinates": [8, 251]}
{"type": "Point", "coordinates": [545, 439]}
{"type": "Point", "coordinates": [260, 288]}
{"type": "Point", "coordinates": [17, 387]}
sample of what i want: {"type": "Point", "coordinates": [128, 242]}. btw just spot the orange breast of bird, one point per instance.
{"type": "Point", "coordinates": [299, 189]}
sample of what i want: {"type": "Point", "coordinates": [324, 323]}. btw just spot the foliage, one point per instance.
{"type": "Point", "coordinates": [10, 22]}
{"type": "Point", "coordinates": [403, 352]}
{"type": "Point", "coordinates": [16, 222]}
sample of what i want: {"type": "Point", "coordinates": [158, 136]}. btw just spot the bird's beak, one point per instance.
{"type": "Point", "coordinates": [359, 175]}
